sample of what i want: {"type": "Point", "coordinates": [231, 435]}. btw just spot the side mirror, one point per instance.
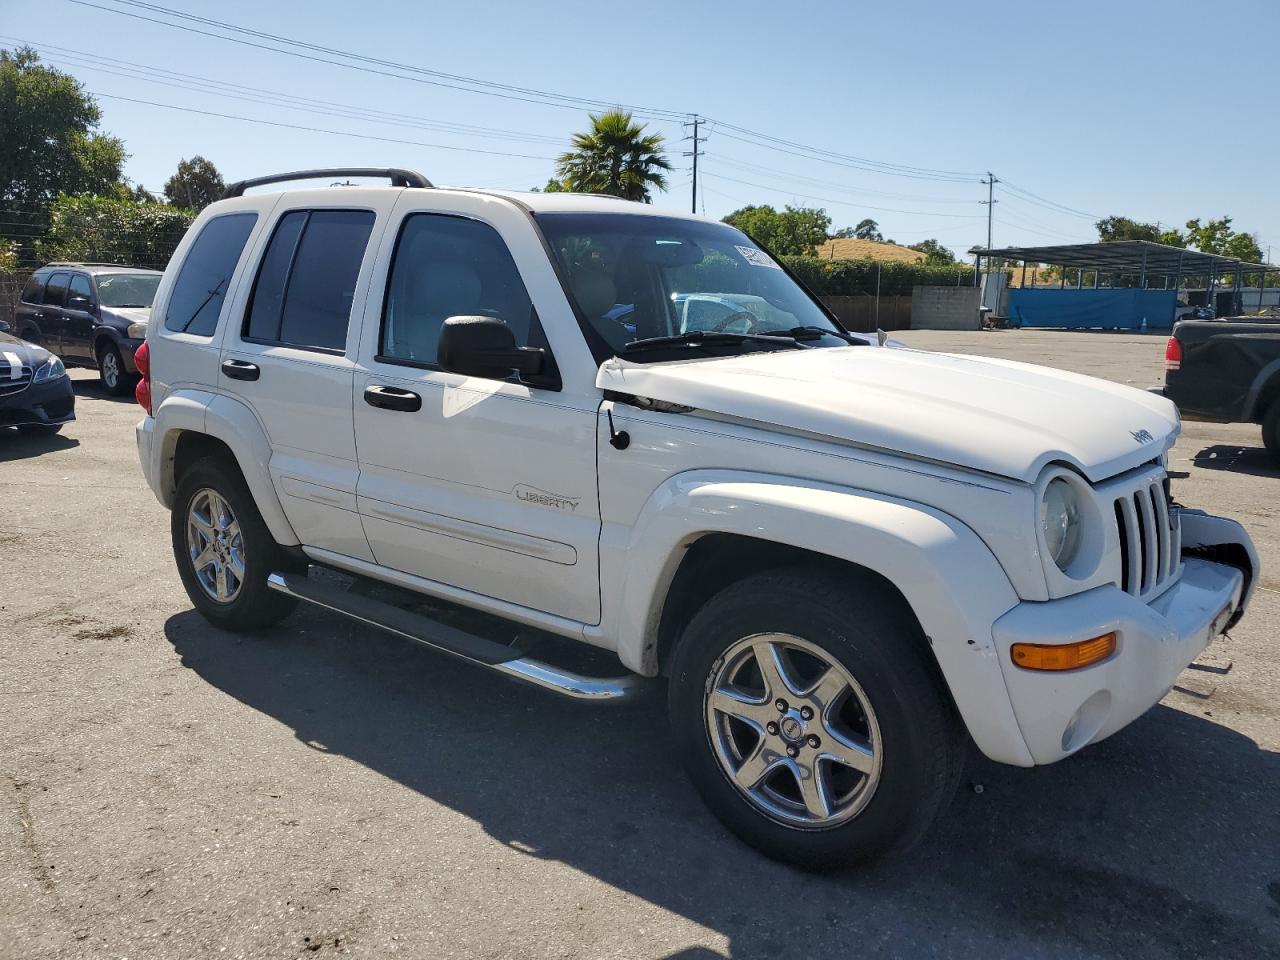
{"type": "Point", "coordinates": [485, 347]}
{"type": "Point", "coordinates": [4, 327]}
{"type": "Point", "coordinates": [78, 303]}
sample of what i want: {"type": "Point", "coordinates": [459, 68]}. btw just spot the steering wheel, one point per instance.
{"type": "Point", "coordinates": [734, 317]}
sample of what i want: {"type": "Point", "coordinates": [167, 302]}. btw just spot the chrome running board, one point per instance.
{"type": "Point", "coordinates": [467, 646]}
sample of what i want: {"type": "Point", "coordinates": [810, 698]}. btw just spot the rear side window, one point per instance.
{"type": "Point", "coordinates": [202, 282]}
{"type": "Point", "coordinates": [55, 294]}
{"type": "Point", "coordinates": [306, 285]}
{"type": "Point", "coordinates": [33, 292]}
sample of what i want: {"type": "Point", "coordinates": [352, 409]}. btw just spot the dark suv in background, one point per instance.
{"type": "Point", "coordinates": [90, 315]}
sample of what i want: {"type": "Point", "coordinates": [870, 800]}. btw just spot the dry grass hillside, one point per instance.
{"type": "Point", "coordinates": [853, 249]}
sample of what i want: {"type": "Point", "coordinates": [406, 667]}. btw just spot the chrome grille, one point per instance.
{"type": "Point", "coordinates": [10, 384]}
{"type": "Point", "coordinates": [1150, 537]}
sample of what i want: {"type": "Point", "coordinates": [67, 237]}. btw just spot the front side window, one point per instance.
{"type": "Point", "coordinates": [33, 292]}
{"type": "Point", "coordinates": [55, 294]}
{"type": "Point", "coordinates": [127, 289]}
{"type": "Point", "coordinates": [79, 293]}
{"type": "Point", "coordinates": [634, 277]}
{"type": "Point", "coordinates": [450, 267]}
{"type": "Point", "coordinates": [306, 285]}
{"type": "Point", "coordinates": [201, 287]}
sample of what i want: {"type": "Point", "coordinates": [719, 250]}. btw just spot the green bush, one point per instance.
{"type": "Point", "coordinates": [834, 278]}
{"type": "Point", "coordinates": [109, 230]}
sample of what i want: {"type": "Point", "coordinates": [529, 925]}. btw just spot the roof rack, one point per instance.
{"type": "Point", "coordinates": [398, 178]}
{"type": "Point", "coordinates": [81, 263]}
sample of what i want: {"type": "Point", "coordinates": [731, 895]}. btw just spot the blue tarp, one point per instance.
{"type": "Point", "coordinates": [1112, 309]}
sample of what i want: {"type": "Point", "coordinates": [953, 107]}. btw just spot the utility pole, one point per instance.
{"type": "Point", "coordinates": [990, 202]}
{"type": "Point", "coordinates": [695, 153]}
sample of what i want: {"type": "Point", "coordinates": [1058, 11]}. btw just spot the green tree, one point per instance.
{"type": "Point", "coordinates": [844, 233]}
{"type": "Point", "coordinates": [934, 252]}
{"type": "Point", "coordinates": [196, 184]}
{"type": "Point", "coordinates": [553, 186]}
{"type": "Point", "coordinates": [48, 139]}
{"type": "Point", "coordinates": [1216, 236]}
{"type": "Point", "coordinates": [868, 230]}
{"type": "Point", "coordinates": [794, 230]}
{"type": "Point", "coordinates": [615, 157]}
{"type": "Point", "coordinates": [1125, 228]}
{"type": "Point", "coordinates": [113, 230]}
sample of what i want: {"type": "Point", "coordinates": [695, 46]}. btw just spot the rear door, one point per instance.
{"type": "Point", "coordinates": [289, 357]}
{"type": "Point", "coordinates": [53, 320]}
{"type": "Point", "coordinates": [78, 320]}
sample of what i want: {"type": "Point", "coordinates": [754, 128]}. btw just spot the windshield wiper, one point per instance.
{"type": "Point", "coordinates": [709, 336]}
{"type": "Point", "coordinates": [807, 333]}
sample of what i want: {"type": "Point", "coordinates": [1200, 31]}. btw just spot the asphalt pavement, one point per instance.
{"type": "Point", "coordinates": [324, 789]}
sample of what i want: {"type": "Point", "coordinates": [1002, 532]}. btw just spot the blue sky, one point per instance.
{"type": "Point", "coordinates": [1149, 109]}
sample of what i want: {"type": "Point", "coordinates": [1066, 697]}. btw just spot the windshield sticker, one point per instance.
{"type": "Point", "coordinates": [757, 258]}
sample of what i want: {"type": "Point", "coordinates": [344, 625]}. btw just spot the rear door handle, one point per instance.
{"type": "Point", "coordinates": [392, 398]}
{"type": "Point", "coordinates": [240, 370]}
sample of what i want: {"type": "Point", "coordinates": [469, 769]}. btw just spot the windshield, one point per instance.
{"type": "Point", "coordinates": [127, 289]}
{"type": "Point", "coordinates": [638, 277]}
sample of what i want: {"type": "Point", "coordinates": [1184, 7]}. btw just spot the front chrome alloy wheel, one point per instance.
{"type": "Point", "coordinates": [110, 370]}
{"type": "Point", "coordinates": [793, 731]}
{"type": "Point", "coordinates": [215, 545]}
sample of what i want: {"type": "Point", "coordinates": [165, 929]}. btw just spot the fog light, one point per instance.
{"type": "Point", "coordinates": [1063, 656]}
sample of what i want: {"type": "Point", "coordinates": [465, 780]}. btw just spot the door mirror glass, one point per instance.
{"type": "Point", "coordinates": [78, 303]}
{"type": "Point", "coordinates": [485, 347]}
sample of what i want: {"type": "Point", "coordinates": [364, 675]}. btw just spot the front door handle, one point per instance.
{"type": "Point", "coordinates": [392, 398]}
{"type": "Point", "coordinates": [240, 370]}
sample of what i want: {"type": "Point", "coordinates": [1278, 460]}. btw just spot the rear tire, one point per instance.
{"type": "Point", "coordinates": [111, 371]}
{"type": "Point", "coordinates": [878, 747]}
{"type": "Point", "coordinates": [1271, 430]}
{"type": "Point", "coordinates": [224, 550]}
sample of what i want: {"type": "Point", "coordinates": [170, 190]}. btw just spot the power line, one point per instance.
{"type": "Point", "coordinates": [757, 168]}
{"type": "Point", "coordinates": [421, 74]}
{"type": "Point", "coordinates": [348, 112]}
{"type": "Point", "coordinates": [339, 133]}
{"type": "Point", "coordinates": [847, 203]}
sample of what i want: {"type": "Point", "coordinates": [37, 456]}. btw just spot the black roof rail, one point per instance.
{"type": "Point", "coordinates": [398, 177]}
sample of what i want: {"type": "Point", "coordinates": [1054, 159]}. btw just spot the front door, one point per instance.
{"type": "Point", "coordinates": [78, 320]}
{"type": "Point", "coordinates": [285, 353]}
{"type": "Point", "coordinates": [481, 484]}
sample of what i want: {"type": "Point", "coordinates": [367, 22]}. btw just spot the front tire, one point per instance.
{"type": "Point", "coordinates": [111, 371]}
{"type": "Point", "coordinates": [811, 718]}
{"type": "Point", "coordinates": [224, 550]}
{"type": "Point", "coordinates": [1271, 430]}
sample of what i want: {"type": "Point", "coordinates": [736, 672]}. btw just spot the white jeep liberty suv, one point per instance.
{"type": "Point", "coordinates": [637, 430]}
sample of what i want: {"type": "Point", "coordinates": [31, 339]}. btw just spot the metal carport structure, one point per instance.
{"type": "Point", "coordinates": [1132, 266]}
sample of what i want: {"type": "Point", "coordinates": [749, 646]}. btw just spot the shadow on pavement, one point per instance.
{"type": "Point", "coordinates": [91, 389]}
{"type": "Point", "coordinates": [1254, 461]}
{"type": "Point", "coordinates": [1161, 842]}
{"type": "Point", "coordinates": [21, 446]}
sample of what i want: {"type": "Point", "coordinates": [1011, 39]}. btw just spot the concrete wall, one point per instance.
{"type": "Point", "coordinates": [944, 308]}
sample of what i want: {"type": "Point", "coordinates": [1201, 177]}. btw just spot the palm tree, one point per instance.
{"type": "Point", "coordinates": [615, 157]}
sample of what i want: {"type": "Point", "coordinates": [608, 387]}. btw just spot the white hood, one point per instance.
{"type": "Point", "coordinates": [997, 416]}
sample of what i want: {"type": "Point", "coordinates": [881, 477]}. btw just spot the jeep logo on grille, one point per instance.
{"type": "Point", "coordinates": [1142, 436]}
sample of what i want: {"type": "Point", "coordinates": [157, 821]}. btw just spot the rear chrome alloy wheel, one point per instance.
{"type": "Point", "coordinates": [215, 545]}
{"type": "Point", "coordinates": [793, 731]}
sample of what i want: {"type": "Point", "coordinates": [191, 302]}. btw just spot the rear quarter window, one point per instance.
{"type": "Point", "coordinates": [201, 287]}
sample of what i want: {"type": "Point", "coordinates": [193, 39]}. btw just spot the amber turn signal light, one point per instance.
{"type": "Point", "coordinates": [1063, 656]}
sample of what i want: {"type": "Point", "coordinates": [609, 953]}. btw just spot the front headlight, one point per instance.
{"type": "Point", "coordinates": [51, 369]}
{"type": "Point", "coordinates": [137, 331]}
{"type": "Point", "coordinates": [1060, 521]}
